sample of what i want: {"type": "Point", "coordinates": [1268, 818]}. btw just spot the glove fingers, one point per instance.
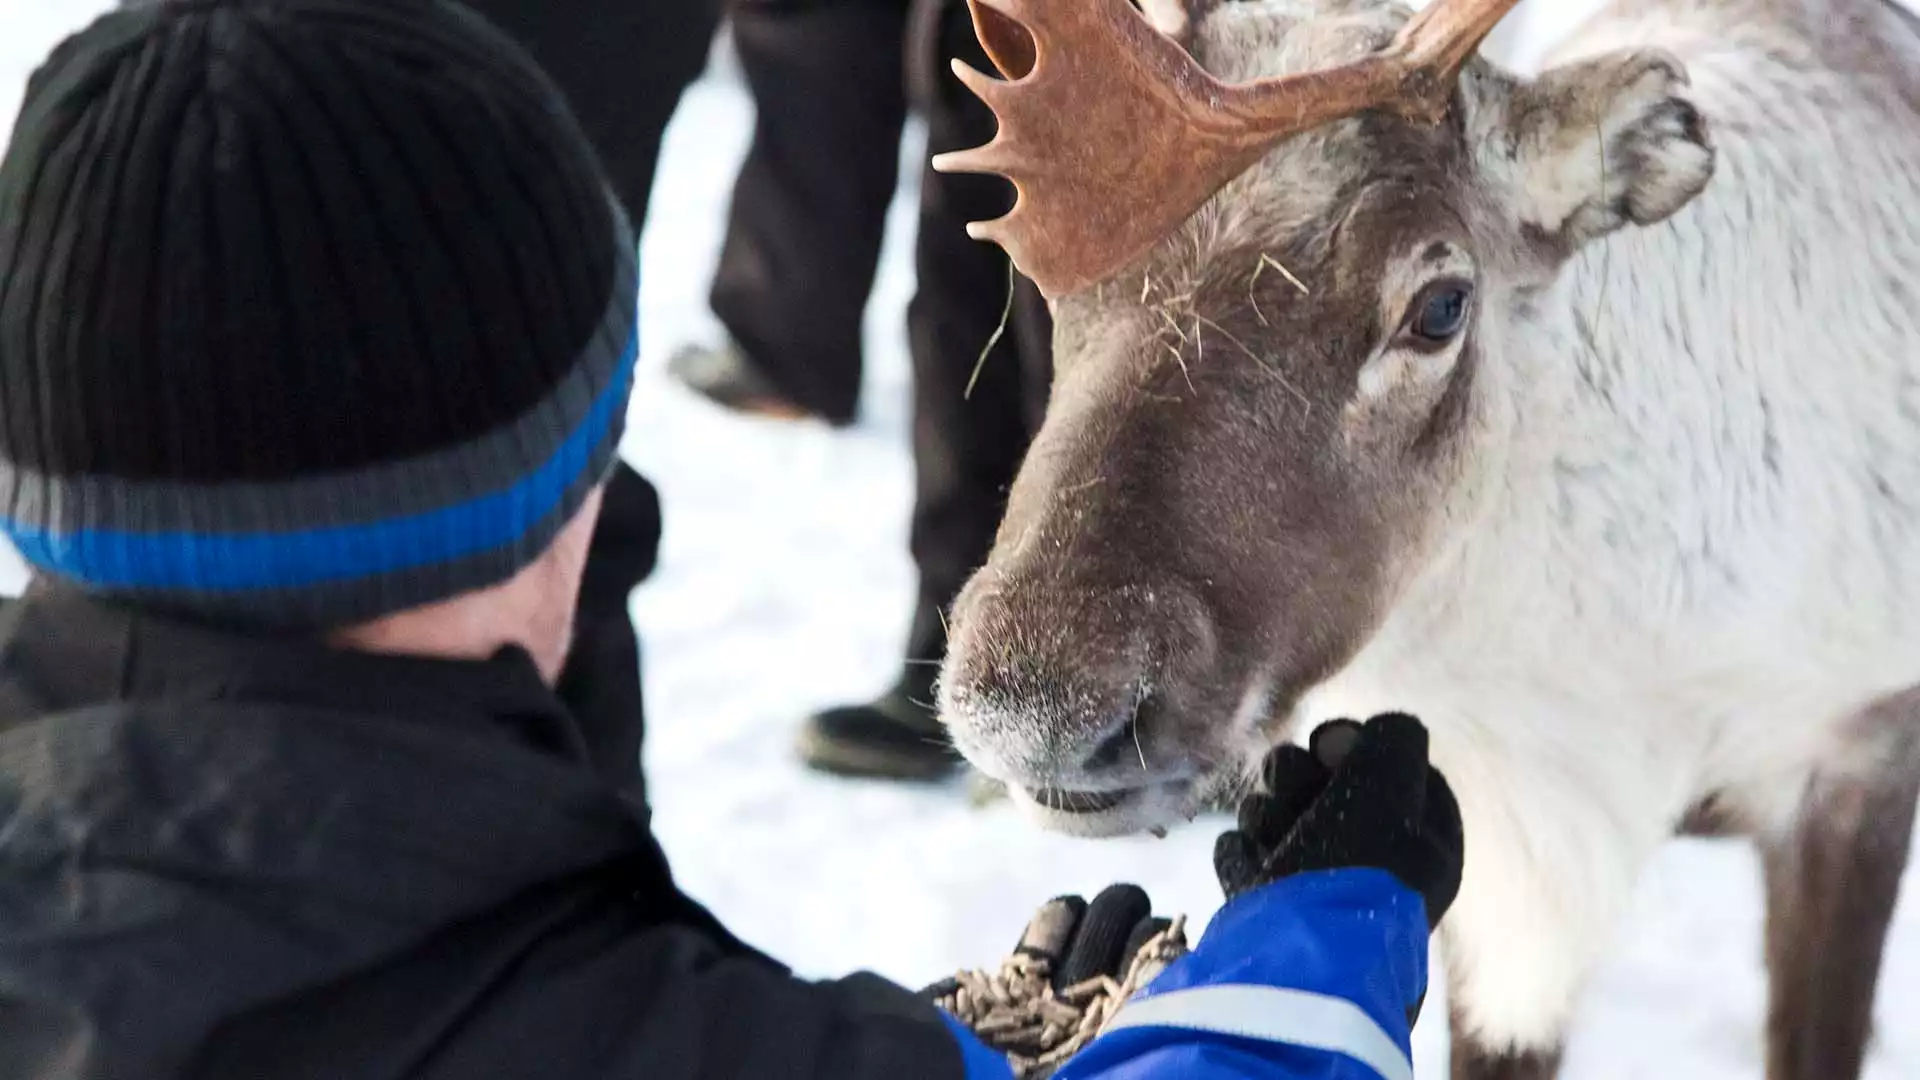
{"type": "Point", "coordinates": [1293, 779]}
{"type": "Point", "coordinates": [1288, 766]}
{"type": "Point", "coordinates": [1332, 741]}
{"type": "Point", "coordinates": [946, 987]}
{"type": "Point", "coordinates": [1051, 930]}
{"type": "Point", "coordinates": [1446, 840]}
{"type": "Point", "coordinates": [1259, 817]}
{"type": "Point", "coordinates": [1435, 876]}
{"type": "Point", "coordinates": [1388, 761]}
{"type": "Point", "coordinates": [1374, 805]}
{"type": "Point", "coordinates": [1237, 862]}
{"type": "Point", "coordinates": [1103, 934]}
{"type": "Point", "coordinates": [1441, 817]}
{"type": "Point", "coordinates": [1143, 932]}
{"type": "Point", "coordinates": [1355, 796]}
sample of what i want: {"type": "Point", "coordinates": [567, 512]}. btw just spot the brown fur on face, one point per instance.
{"type": "Point", "coordinates": [1246, 448]}
{"type": "Point", "coordinates": [1203, 456]}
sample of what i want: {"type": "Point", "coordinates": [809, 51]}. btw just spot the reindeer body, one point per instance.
{"type": "Point", "coordinates": [1638, 548]}
{"type": "Point", "coordinates": [1694, 572]}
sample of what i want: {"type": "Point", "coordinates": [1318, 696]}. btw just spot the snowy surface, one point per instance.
{"type": "Point", "coordinates": [785, 586]}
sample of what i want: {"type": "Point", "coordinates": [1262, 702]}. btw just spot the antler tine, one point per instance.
{"type": "Point", "coordinates": [1114, 136]}
{"type": "Point", "coordinates": [1439, 40]}
{"type": "Point", "coordinates": [1097, 135]}
{"type": "Point", "coordinates": [988, 89]}
{"type": "Point", "coordinates": [1413, 77]}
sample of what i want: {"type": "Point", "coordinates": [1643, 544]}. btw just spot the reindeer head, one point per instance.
{"type": "Point", "coordinates": [1284, 267]}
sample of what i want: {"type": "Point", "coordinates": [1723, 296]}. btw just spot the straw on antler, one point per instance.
{"type": "Point", "coordinates": [1113, 135]}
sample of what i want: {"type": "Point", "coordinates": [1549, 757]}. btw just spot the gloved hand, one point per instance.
{"type": "Point", "coordinates": [1075, 965]}
{"type": "Point", "coordinates": [1082, 941]}
{"type": "Point", "coordinates": [1355, 797]}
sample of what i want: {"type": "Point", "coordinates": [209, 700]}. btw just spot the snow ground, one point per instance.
{"type": "Point", "coordinates": [784, 585]}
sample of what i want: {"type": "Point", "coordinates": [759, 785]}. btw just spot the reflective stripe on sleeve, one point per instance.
{"type": "Point", "coordinates": [1272, 1014]}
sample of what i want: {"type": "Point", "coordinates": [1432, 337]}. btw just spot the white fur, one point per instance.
{"type": "Point", "coordinates": [1688, 558]}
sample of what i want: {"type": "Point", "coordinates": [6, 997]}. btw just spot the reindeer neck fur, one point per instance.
{"type": "Point", "coordinates": [1693, 563]}
{"type": "Point", "coordinates": [1677, 482]}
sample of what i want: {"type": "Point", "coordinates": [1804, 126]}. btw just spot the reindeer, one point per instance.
{"type": "Point", "coordinates": [1578, 415]}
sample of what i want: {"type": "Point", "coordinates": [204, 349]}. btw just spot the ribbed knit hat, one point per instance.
{"type": "Point", "coordinates": [310, 310]}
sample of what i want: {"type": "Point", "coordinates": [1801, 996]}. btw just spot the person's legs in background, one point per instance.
{"type": "Point", "coordinates": [973, 416]}
{"type": "Point", "coordinates": [623, 68]}
{"type": "Point", "coordinates": [809, 206]}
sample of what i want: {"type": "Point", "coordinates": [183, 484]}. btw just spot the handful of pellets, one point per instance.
{"type": "Point", "coordinates": [1023, 1012]}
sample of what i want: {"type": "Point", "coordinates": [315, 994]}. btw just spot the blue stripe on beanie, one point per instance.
{"type": "Point", "coordinates": [119, 559]}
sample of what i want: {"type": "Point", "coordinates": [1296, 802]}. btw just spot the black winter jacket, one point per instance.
{"type": "Point", "coordinates": [256, 859]}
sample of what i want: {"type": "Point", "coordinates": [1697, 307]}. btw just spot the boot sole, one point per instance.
{"type": "Point", "coordinates": [868, 763]}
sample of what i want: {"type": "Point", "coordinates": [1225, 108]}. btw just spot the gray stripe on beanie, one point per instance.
{"type": "Point", "coordinates": [357, 600]}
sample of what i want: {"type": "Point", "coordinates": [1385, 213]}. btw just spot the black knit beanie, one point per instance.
{"type": "Point", "coordinates": [310, 310]}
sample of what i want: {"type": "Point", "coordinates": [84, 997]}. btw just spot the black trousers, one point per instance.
{"type": "Point", "coordinates": [966, 446]}
{"type": "Point", "coordinates": [623, 67]}
{"type": "Point", "coordinates": [832, 80]}
{"type": "Point", "coordinates": [810, 202]}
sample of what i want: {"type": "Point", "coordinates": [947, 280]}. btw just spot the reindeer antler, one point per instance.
{"type": "Point", "coordinates": [1113, 135]}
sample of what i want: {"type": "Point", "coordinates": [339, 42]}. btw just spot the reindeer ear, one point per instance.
{"type": "Point", "coordinates": [1177, 19]}
{"type": "Point", "coordinates": [1603, 143]}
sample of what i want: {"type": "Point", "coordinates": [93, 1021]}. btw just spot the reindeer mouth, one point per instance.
{"type": "Point", "coordinates": [1148, 808]}
{"type": "Point", "coordinates": [1062, 801]}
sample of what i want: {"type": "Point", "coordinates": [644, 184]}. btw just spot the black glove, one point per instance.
{"type": "Point", "coordinates": [1081, 941]}
{"type": "Point", "coordinates": [1358, 796]}
{"type": "Point", "coordinates": [1074, 967]}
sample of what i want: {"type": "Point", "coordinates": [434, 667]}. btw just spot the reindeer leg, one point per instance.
{"type": "Point", "coordinates": [1558, 832]}
{"type": "Point", "coordinates": [1473, 1060]}
{"type": "Point", "coordinates": [1476, 1058]}
{"type": "Point", "coordinates": [1832, 877]}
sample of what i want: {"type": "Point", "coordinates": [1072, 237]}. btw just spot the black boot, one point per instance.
{"type": "Point", "coordinates": [969, 434]}
{"type": "Point", "coordinates": [896, 737]}
{"type": "Point", "coordinates": [728, 377]}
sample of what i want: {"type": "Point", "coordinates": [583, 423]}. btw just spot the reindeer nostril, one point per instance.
{"type": "Point", "coordinates": [1113, 752]}
{"type": "Point", "coordinates": [1122, 746]}
{"type": "Point", "coordinates": [1072, 686]}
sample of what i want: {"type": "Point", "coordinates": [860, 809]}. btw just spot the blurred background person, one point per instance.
{"type": "Point", "coordinates": [975, 407]}
{"type": "Point", "coordinates": [623, 69]}
{"type": "Point", "coordinates": [809, 207]}
{"type": "Point", "coordinates": [832, 82]}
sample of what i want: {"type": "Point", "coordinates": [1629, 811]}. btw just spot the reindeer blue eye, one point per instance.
{"type": "Point", "coordinates": [1442, 311]}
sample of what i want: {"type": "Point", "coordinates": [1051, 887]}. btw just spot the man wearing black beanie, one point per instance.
{"type": "Point", "coordinates": [317, 326]}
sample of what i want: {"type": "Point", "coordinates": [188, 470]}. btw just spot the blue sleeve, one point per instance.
{"type": "Point", "coordinates": [1309, 978]}
{"type": "Point", "coordinates": [981, 1061]}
